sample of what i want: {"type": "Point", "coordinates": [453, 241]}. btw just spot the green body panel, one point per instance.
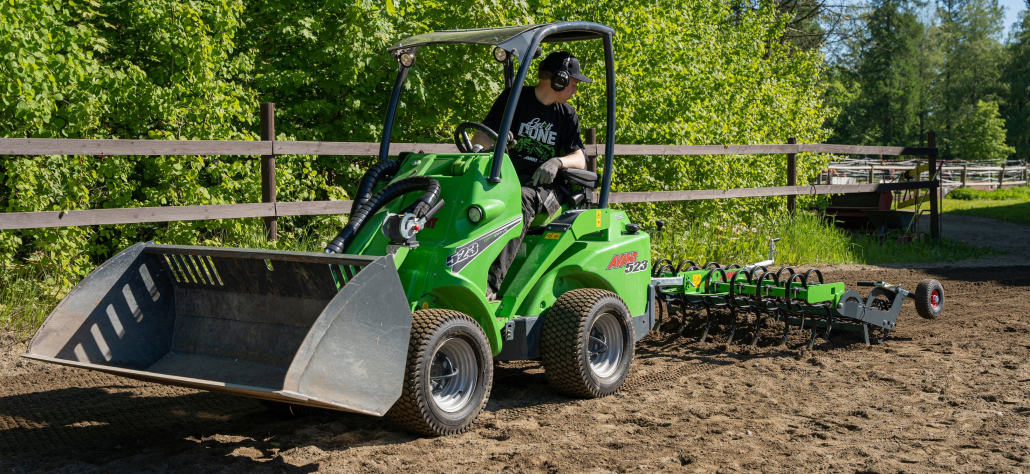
{"type": "Point", "coordinates": [449, 267]}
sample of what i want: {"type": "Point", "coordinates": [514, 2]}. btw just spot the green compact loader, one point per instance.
{"type": "Point", "coordinates": [393, 318]}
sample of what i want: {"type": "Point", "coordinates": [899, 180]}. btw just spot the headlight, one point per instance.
{"type": "Point", "coordinates": [475, 214]}
{"type": "Point", "coordinates": [500, 54]}
{"type": "Point", "coordinates": [407, 59]}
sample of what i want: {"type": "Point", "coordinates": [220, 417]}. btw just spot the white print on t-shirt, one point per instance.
{"type": "Point", "coordinates": [539, 130]}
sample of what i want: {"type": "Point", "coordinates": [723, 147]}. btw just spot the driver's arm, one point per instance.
{"type": "Point", "coordinates": [482, 139]}
{"type": "Point", "coordinates": [575, 160]}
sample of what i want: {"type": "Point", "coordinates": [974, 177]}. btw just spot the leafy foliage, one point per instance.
{"type": "Point", "coordinates": [1017, 76]}
{"type": "Point", "coordinates": [887, 83]}
{"type": "Point", "coordinates": [688, 72]}
{"type": "Point", "coordinates": [133, 69]}
{"type": "Point", "coordinates": [981, 136]}
{"type": "Point", "coordinates": [1000, 194]}
{"type": "Point", "coordinates": [698, 73]}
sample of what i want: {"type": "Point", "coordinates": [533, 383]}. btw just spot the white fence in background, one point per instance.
{"type": "Point", "coordinates": [953, 174]}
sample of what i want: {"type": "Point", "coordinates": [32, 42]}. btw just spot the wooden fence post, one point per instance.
{"type": "Point", "coordinates": [792, 177]}
{"type": "Point", "coordinates": [268, 167]}
{"type": "Point", "coordinates": [935, 188]}
{"type": "Point", "coordinates": [1001, 176]}
{"type": "Point", "coordinates": [590, 140]}
{"type": "Point", "coordinates": [1026, 178]}
{"type": "Point", "coordinates": [965, 175]}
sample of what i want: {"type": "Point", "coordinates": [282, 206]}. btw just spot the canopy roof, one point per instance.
{"type": "Point", "coordinates": [515, 39]}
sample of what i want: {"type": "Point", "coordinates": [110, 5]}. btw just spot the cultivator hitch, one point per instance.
{"type": "Point", "coordinates": [796, 298]}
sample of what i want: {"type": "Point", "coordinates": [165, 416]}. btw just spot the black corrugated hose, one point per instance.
{"type": "Point", "coordinates": [420, 207]}
{"type": "Point", "coordinates": [368, 182]}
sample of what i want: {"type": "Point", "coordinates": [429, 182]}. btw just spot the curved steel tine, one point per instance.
{"type": "Point", "coordinates": [733, 326]}
{"type": "Point", "coordinates": [786, 329]}
{"type": "Point", "coordinates": [708, 325]}
{"type": "Point", "coordinates": [683, 321]}
{"type": "Point", "coordinates": [758, 330]}
{"type": "Point", "coordinates": [811, 340]}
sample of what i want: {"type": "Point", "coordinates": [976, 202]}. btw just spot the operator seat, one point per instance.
{"type": "Point", "coordinates": [579, 186]}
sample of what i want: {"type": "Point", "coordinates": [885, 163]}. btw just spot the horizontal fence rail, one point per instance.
{"type": "Point", "coordinates": [810, 190]}
{"type": "Point", "coordinates": [68, 146]}
{"type": "Point", "coordinates": [136, 215]}
{"type": "Point", "coordinates": [270, 209]}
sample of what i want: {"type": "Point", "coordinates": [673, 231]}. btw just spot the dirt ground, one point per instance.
{"type": "Point", "coordinates": [946, 395]}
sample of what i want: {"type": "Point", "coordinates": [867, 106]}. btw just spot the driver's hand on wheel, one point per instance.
{"type": "Point", "coordinates": [546, 172]}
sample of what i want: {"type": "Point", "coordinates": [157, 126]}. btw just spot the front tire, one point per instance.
{"type": "Point", "coordinates": [448, 375]}
{"type": "Point", "coordinates": [587, 343]}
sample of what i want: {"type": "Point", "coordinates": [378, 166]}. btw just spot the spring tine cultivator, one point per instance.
{"type": "Point", "coordinates": [801, 299]}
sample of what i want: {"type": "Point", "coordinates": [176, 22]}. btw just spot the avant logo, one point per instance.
{"type": "Point", "coordinates": [629, 261]}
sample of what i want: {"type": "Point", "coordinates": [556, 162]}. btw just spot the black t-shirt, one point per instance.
{"type": "Point", "coordinates": [541, 131]}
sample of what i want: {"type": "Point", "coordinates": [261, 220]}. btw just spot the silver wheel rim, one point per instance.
{"type": "Point", "coordinates": [453, 375]}
{"type": "Point", "coordinates": [605, 345]}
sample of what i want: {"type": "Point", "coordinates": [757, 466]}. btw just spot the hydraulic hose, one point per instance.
{"type": "Point", "coordinates": [368, 182]}
{"type": "Point", "coordinates": [420, 207]}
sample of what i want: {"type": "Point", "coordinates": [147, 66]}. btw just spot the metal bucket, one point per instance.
{"type": "Point", "coordinates": [311, 329]}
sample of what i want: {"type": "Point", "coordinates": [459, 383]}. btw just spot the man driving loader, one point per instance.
{"type": "Point", "coordinates": [546, 134]}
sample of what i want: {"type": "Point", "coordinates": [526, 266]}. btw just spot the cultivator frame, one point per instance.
{"type": "Point", "coordinates": [786, 295]}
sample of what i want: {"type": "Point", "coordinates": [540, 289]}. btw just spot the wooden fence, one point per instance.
{"type": "Point", "coordinates": [270, 208]}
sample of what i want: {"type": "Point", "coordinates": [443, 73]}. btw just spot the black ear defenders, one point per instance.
{"type": "Point", "coordinates": [560, 79]}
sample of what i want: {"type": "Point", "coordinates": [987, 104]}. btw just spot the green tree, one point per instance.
{"type": "Point", "coordinates": [981, 136]}
{"type": "Point", "coordinates": [887, 109]}
{"type": "Point", "coordinates": [1017, 76]}
{"type": "Point", "coordinates": [972, 53]}
{"type": "Point", "coordinates": [129, 69]}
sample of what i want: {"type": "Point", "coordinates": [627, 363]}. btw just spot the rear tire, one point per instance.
{"type": "Point", "coordinates": [448, 375]}
{"type": "Point", "coordinates": [929, 299]}
{"type": "Point", "coordinates": [587, 343]}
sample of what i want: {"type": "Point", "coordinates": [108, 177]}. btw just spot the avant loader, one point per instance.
{"type": "Point", "coordinates": [392, 319]}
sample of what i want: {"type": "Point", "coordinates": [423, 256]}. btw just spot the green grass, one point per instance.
{"type": "Point", "coordinates": [805, 240]}
{"type": "Point", "coordinates": [26, 298]}
{"type": "Point", "coordinates": [967, 194]}
{"type": "Point", "coordinates": [1008, 204]}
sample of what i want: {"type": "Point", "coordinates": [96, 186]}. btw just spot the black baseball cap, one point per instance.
{"type": "Point", "coordinates": [552, 63]}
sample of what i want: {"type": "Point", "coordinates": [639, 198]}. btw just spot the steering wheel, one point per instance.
{"type": "Point", "coordinates": [464, 143]}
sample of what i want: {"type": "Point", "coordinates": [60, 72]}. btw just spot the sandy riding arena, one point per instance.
{"type": "Point", "coordinates": [945, 395]}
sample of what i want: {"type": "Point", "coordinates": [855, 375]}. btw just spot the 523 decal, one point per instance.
{"type": "Point", "coordinates": [636, 266]}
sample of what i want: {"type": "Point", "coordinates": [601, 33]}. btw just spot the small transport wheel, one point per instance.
{"type": "Point", "coordinates": [929, 299]}
{"type": "Point", "coordinates": [587, 343]}
{"type": "Point", "coordinates": [448, 375]}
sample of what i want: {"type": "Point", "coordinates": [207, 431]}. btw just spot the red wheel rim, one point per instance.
{"type": "Point", "coordinates": [935, 298]}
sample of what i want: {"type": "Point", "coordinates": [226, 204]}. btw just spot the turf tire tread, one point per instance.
{"type": "Point", "coordinates": [561, 343]}
{"type": "Point", "coordinates": [411, 412]}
